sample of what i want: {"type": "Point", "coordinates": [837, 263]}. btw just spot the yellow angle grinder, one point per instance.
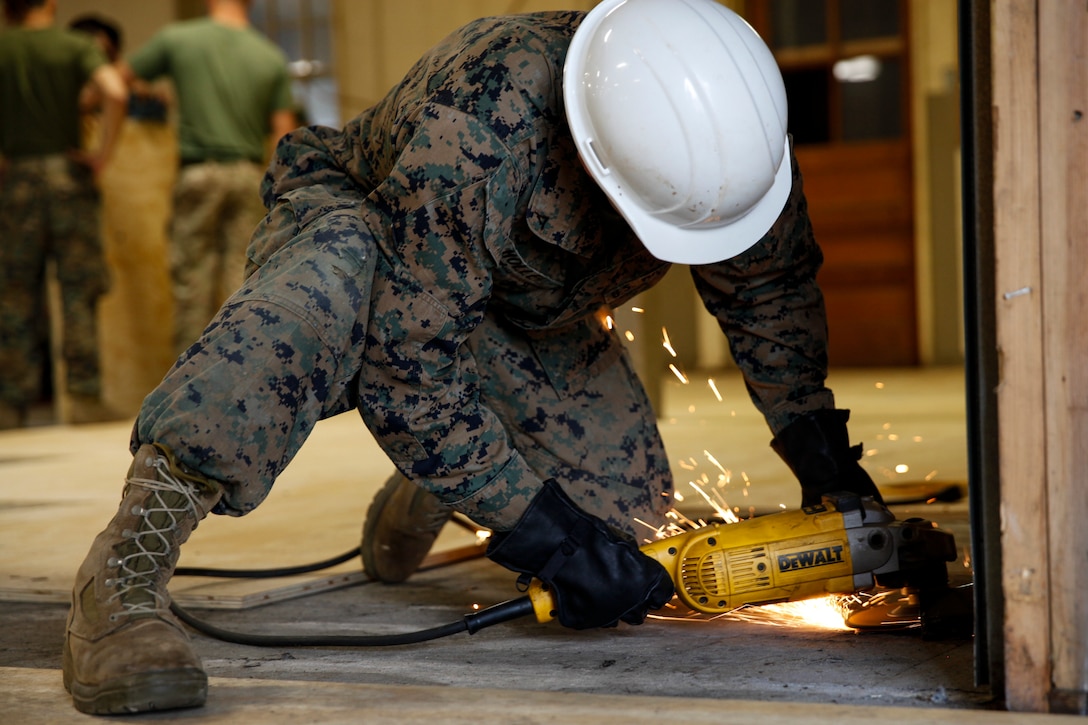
{"type": "Point", "coordinates": [848, 544]}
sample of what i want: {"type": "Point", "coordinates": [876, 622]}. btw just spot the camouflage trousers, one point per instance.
{"type": "Point", "coordinates": [216, 207]}
{"type": "Point", "coordinates": [286, 351]}
{"type": "Point", "coordinates": [49, 211]}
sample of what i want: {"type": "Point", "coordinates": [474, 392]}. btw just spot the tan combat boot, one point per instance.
{"type": "Point", "coordinates": [124, 651]}
{"type": "Point", "coordinates": [401, 525]}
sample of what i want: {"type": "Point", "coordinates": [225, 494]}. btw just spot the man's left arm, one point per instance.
{"type": "Point", "coordinates": [771, 309]}
{"type": "Point", "coordinates": [114, 97]}
{"type": "Point", "coordinates": [109, 88]}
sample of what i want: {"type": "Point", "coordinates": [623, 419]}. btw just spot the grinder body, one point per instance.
{"type": "Point", "coordinates": [845, 545]}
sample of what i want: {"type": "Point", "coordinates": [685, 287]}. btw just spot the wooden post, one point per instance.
{"type": "Point", "coordinates": [1021, 417]}
{"type": "Point", "coordinates": [1063, 164]}
{"type": "Point", "coordinates": [1040, 100]}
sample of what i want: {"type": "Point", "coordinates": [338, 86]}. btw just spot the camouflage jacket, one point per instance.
{"type": "Point", "coordinates": [467, 176]}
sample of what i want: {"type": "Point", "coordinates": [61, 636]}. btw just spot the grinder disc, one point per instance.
{"type": "Point", "coordinates": [888, 609]}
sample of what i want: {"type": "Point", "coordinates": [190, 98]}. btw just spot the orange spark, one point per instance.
{"type": "Point", "coordinates": [714, 462]}
{"type": "Point", "coordinates": [666, 343]}
{"type": "Point", "coordinates": [721, 508]}
{"type": "Point", "coordinates": [826, 612]}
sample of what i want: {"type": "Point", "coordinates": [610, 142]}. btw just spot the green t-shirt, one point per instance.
{"type": "Point", "coordinates": [229, 81]}
{"type": "Point", "coordinates": [41, 74]}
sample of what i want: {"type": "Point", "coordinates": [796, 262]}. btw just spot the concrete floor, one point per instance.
{"type": "Point", "coordinates": [733, 669]}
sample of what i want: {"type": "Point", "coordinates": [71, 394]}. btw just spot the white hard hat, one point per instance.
{"type": "Point", "coordinates": [679, 113]}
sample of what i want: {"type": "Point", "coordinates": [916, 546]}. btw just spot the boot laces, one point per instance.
{"type": "Point", "coordinates": [154, 541]}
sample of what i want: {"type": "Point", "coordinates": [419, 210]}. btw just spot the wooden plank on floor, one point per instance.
{"type": "Point", "coordinates": [32, 695]}
{"type": "Point", "coordinates": [213, 593]}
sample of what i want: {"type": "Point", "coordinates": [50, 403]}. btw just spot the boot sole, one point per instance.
{"type": "Point", "coordinates": [165, 690]}
{"type": "Point", "coordinates": [370, 564]}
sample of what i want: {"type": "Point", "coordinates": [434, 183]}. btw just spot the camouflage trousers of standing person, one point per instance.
{"type": "Point", "coordinates": [216, 207]}
{"type": "Point", "coordinates": [49, 211]}
{"type": "Point", "coordinates": [285, 352]}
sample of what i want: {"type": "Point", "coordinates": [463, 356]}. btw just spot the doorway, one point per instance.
{"type": "Point", "coordinates": [846, 66]}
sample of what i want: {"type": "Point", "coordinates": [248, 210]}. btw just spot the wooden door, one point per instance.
{"type": "Point", "coordinates": [845, 64]}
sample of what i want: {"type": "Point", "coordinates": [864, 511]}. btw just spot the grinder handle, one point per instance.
{"type": "Point", "coordinates": [540, 594]}
{"type": "Point", "coordinates": [664, 551]}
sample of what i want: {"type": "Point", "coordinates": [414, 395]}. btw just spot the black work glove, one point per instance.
{"type": "Point", "coordinates": [598, 576]}
{"type": "Point", "coordinates": [817, 449]}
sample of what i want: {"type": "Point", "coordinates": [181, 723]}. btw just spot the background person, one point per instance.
{"type": "Point", "coordinates": [234, 100]}
{"type": "Point", "coordinates": [49, 206]}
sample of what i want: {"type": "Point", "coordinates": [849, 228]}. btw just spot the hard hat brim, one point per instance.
{"type": "Point", "coordinates": [706, 244]}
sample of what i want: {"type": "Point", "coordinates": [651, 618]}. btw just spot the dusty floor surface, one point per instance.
{"type": "Point", "coordinates": [728, 660]}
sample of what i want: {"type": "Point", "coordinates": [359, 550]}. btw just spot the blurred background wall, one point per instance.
{"type": "Point", "coordinates": [345, 54]}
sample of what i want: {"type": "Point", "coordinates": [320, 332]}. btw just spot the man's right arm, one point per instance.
{"type": "Point", "coordinates": [146, 65]}
{"type": "Point", "coordinates": [282, 123]}
{"type": "Point", "coordinates": [283, 119]}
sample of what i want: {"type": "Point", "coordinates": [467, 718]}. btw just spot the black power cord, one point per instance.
{"type": "Point", "coordinates": [267, 573]}
{"type": "Point", "coordinates": [471, 623]}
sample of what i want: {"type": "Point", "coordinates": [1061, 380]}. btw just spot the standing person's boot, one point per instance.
{"type": "Point", "coordinates": [124, 651]}
{"type": "Point", "coordinates": [400, 528]}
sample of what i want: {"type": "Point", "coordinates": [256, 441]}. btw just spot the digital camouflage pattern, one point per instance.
{"type": "Point", "coordinates": [216, 207]}
{"type": "Point", "coordinates": [49, 210]}
{"type": "Point", "coordinates": [443, 265]}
